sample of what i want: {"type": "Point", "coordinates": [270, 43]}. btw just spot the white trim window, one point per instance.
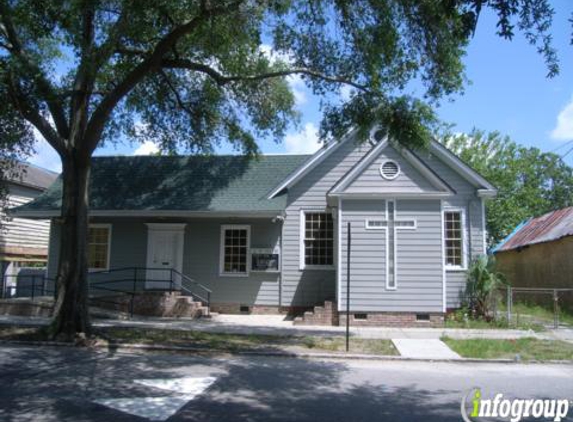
{"type": "Point", "coordinates": [317, 234]}
{"type": "Point", "coordinates": [454, 239]}
{"type": "Point", "coordinates": [235, 250]}
{"type": "Point", "coordinates": [99, 247]}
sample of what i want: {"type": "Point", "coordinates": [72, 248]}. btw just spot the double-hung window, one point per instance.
{"type": "Point", "coordinates": [235, 246]}
{"type": "Point", "coordinates": [99, 236]}
{"type": "Point", "coordinates": [318, 239]}
{"type": "Point", "coordinates": [454, 247]}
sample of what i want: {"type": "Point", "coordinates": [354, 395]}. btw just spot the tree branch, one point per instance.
{"type": "Point", "coordinates": [225, 79]}
{"type": "Point", "coordinates": [33, 115]}
{"type": "Point", "coordinates": [175, 93]}
{"type": "Point", "coordinates": [85, 75]}
{"type": "Point", "coordinates": [147, 66]}
{"type": "Point", "coordinates": [45, 89]}
{"type": "Point", "coordinates": [106, 49]}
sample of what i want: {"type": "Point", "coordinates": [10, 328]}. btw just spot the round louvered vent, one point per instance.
{"type": "Point", "coordinates": [389, 170]}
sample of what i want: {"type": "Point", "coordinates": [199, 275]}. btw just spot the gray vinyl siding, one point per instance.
{"type": "Point", "coordinates": [419, 274]}
{"type": "Point", "coordinates": [201, 262]}
{"type": "Point", "coordinates": [306, 287]}
{"type": "Point", "coordinates": [200, 257]}
{"type": "Point", "coordinates": [409, 179]}
{"type": "Point", "coordinates": [466, 199]}
{"type": "Point", "coordinates": [23, 236]}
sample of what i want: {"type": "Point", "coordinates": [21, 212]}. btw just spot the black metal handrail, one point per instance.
{"type": "Point", "coordinates": [36, 285]}
{"type": "Point", "coordinates": [185, 286]}
{"type": "Point", "coordinates": [130, 284]}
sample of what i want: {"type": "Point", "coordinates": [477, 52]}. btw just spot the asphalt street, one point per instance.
{"type": "Point", "coordinates": [68, 384]}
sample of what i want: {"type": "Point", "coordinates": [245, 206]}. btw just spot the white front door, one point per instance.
{"type": "Point", "coordinates": [164, 254]}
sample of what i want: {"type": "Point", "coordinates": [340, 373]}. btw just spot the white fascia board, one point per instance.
{"type": "Point", "coordinates": [310, 164]}
{"type": "Point", "coordinates": [407, 155]}
{"type": "Point", "coordinates": [358, 168]}
{"type": "Point", "coordinates": [462, 168]}
{"type": "Point", "coordinates": [382, 195]}
{"type": "Point", "coordinates": [156, 213]}
{"type": "Point", "coordinates": [425, 171]}
{"type": "Point", "coordinates": [486, 193]}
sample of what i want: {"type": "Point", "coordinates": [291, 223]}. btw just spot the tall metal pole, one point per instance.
{"type": "Point", "coordinates": [348, 289]}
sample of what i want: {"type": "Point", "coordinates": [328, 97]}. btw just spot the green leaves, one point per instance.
{"type": "Point", "coordinates": [483, 284]}
{"type": "Point", "coordinates": [97, 68]}
{"type": "Point", "coordinates": [530, 182]}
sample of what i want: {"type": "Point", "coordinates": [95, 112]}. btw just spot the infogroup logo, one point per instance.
{"type": "Point", "coordinates": [474, 406]}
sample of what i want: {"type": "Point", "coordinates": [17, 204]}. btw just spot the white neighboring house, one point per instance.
{"type": "Point", "coordinates": [23, 242]}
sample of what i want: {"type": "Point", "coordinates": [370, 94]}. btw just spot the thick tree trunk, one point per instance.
{"type": "Point", "coordinates": [71, 314]}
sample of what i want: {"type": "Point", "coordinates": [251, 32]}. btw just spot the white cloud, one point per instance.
{"type": "Point", "coordinates": [298, 88]}
{"type": "Point", "coordinates": [304, 142]}
{"type": "Point", "coordinates": [274, 55]}
{"type": "Point", "coordinates": [564, 129]}
{"type": "Point", "coordinates": [295, 81]}
{"type": "Point", "coordinates": [346, 92]}
{"type": "Point", "coordinates": [146, 148]}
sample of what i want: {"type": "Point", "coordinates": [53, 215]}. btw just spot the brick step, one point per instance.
{"type": "Point", "coordinates": [326, 314]}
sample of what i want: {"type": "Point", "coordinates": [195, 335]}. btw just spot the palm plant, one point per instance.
{"type": "Point", "coordinates": [483, 285]}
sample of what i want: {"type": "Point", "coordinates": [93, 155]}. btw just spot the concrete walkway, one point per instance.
{"type": "Point", "coordinates": [424, 349]}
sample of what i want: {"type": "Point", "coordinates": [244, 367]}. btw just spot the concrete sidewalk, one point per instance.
{"type": "Point", "coordinates": [424, 349]}
{"type": "Point", "coordinates": [279, 326]}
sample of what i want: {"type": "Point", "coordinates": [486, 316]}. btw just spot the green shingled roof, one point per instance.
{"type": "Point", "coordinates": [224, 183]}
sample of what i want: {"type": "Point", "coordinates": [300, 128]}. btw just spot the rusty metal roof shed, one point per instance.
{"type": "Point", "coordinates": [551, 226]}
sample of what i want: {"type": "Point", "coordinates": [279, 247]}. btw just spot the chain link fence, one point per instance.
{"type": "Point", "coordinates": [548, 307]}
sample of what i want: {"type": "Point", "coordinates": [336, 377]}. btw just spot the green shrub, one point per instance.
{"type": "Point", "coordinates": [483, 285]}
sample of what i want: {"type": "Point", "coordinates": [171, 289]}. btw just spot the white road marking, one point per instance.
{"type": "Point", "coordinates": [152, 408]}
{"type": "Point", "coordinates": [187, 386]}
{"type": "Point", "coordinates": [161, 408]}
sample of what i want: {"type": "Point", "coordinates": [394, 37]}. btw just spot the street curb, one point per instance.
{"type": "Point", "coordinates": [138, 347]}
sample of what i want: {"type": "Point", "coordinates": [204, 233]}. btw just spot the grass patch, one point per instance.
{"type": "Point", "coordinates": [529, 311]}
{"type": "Point", "coordinates": [460, 319]}
{"type": "Point", "coordinates": [198, 339]}
{"type": "Point", "coordinates": [236, 342]}
{"type": "Point", "coordinates": [357, 345]}
{"type": "Point", "coordinates": [526, 348]}
{"type": "Point", "coordinates": [217, 341]}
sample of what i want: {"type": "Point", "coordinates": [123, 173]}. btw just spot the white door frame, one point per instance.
{"type": "Point", "coordinates": [177, 229]}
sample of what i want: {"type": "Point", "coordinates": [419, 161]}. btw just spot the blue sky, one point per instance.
{"type": "Point", "coordinates": [509, 92]}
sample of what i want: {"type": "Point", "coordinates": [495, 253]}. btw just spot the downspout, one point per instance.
{"type": "Point", "coordinates": [281, 219]}
{"type": "Point", "coordinates": [469, 228]}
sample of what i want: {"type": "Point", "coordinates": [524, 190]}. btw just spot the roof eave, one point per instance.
{"type": "Point", "coordinates": [44, 214]}
{"type": "Point", "coordinates": [309, 165]}
{"type": "Point", "coordinates": [487, 193]}
{"type": "Point", "coordinates": [395, 195]}
{"type": "Point", "coordinates": [460, 167]}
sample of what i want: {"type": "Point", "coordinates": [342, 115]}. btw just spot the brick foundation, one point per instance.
{"type": "Point", "coordinates": [235, 308]}
{"type": "Point", "coordinates": [392, 319]}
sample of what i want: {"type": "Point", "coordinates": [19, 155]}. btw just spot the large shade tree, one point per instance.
{"type": "Point", "coordinates": [530, 182]}
{"type": "Point", "coordinates": [192, 73]}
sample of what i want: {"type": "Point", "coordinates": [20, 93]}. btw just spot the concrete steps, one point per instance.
{"type": "Point", "coordinates": [326, 314]}
{"type": "Point", "coordinates": [185, 306]}
{"type": "Point", "coordinates": [155, 304]}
